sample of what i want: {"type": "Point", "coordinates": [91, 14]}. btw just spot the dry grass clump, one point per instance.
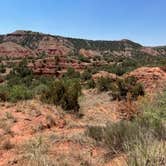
{"type": "Point", "coordinates": [9, 116]}
{"type": "Point", "coordinates": [6, 127]}
{"type": "Point", "coordinates": [38, 128]}
{"type": "Point", "coordinates": [35, 152]}
{"type": "Point", "coordinates": [7, 145]}
{"type": "Point", "coordinates": [50, 120]}
{"type": "Point", "coordinates": [150, 153]}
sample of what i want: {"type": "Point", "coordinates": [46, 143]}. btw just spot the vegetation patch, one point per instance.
{"type": "Point", "coordinates": [142, 139]}
{"type": "Point", "coordinates": [120, 88]}
{"type": "Point", "coordinates": [64, 93]}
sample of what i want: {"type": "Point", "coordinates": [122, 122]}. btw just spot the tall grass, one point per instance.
{"type": "Point", "coordinates": [143, 139]}
{"type": "Point", "coordinates": [36, 153]}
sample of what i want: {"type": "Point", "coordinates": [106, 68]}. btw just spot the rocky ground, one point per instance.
{"type": "Point", "coordinates": [22, 125]}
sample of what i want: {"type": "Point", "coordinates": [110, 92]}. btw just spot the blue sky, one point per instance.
{"type": "Point", "coordinates": [143, 21]}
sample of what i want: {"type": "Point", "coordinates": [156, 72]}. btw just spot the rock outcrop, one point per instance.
{"type": "Point", "coordinates": [105, 75]}
{"type": "Point", "coordinates": [153, 78]}
{"type": "Point", "coordinates": [13, 50]}
{"type": "Point", "coordinates": [89, 53]}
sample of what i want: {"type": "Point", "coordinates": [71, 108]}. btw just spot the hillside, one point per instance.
{"type": "Point", "coordinates": [52, 55]}
{"type": "Point", "coordinates": [58, 45]}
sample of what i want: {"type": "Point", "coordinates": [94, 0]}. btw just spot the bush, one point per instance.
{"type": "Point", "coordinates": [95, 132]}
{"type": "Point", "coordinates": [137, 90]}
{"type": "Point", "coordinates": [54, 93]}
{"type": "Point", "coordinates": [103, 84]}
{"type": "Point", "coordinates": [123, 88]}
{"type": "Point", "coordinates": [64, 93]}
{"type": "Point", "coordinates": [2, 68]}
{"type": "Point", "coordinates": [19, 92]}
{"type": "Point", "coordinates": [118, 70]}
{"type": "Point", "coordinates": [21, 69]}
{"type": "Point", "coordinates": [120, 88]}
{"type": "Point", "coordinates": [40, 89]}
{"type": "Point", "coordinates": [20, 74]}
{"type": "Point", "coordinates": [71, 73]}
{"type": "Point", "coordinates": [4, 93]}
{"type": "Point", "coordinates": [69, 100]}
{"type": "Point", "coordinates": [116, 135]}
{"type": "Point", "coordinates": [86, 75]}
{"type": "Point", "coordinates": [91, 84]}
{"type": "Point", "coordinates": [83, 59]}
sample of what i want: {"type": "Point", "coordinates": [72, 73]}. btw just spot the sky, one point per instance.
{"type": "Point", "coordinates": [143, 21]}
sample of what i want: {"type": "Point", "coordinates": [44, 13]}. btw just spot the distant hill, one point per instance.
{"type": "Point", "coordinates": [57, 45]}
{"type": "Point", "coordinates": [54, 54]}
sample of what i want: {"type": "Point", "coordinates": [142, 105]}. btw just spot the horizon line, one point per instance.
{"type": "Point", "coordinates": [83, 38]}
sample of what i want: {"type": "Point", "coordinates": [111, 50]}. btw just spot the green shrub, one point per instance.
{"type": "Point", "coordinates": [15, 93]}
{"type": "Point", "coordinates": [54, 93]}
{"type": "Point", "coordinates": [69, 100]}
{"type": "Point", "coordinates": [90, 84]}
{"type": "Point", "coordinates": [123, 88]}
{"type": "Point", "coordinates": [103, 84]}
{"type": "Point", "coordinates": [120, 88]}
{"type": "Point", "coordinates": [64, 93]}
{"type": "Point", "coordinates": [83, 59]}
{"type": "Point", "coordinates": [86, 75]}
{"type": "Point", "coordinates": [126, 86]}
{"type": "Point", "coordinates": [4, 93]}
{"type": "Point", "coordinates": [95, 132]}
{"type": "Point", "coordinates": [71, 73]}
{"type": "Point", "coordinates": [72, 92]}
{"type": "Point", "coordinates": [115, 135]}
{"type": "Point", "coordinates": [21, 69]}
{"type": "Point", "coordinates": [118, 70]}
{"type": "Point", "coordinates": [2, 68]}
{"type": "Point", "coordinates": [20, 74]}
{"type": "Point", "coordinates": [44, 80]}
{"type": "Point", "coordinates": [40, 89]}
{"type": "Point", "coordinates": [19, 92]}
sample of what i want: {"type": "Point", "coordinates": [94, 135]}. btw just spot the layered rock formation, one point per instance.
{"type": "Point", "coordinates": [153, 78]}
{"type": "Point", "coordinates": [13, 50]}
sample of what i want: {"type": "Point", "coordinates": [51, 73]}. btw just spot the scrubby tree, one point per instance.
{"type": "Point", "coordinates": [20, 74]}
{"type": "Point", "coordinates": [2, 68]}
{"type": "Point", "coordinates": [64, 93]}
{"type": "Point", "coordinates": [71, 73]}
{"type": "Point", "coordinates": [86, 75]}
{"type": "Point", "coordinates": [22, 69]}
{"type": "Point", "coordinates": [54, 93]}
{"type": "Point", "coordinates": [103, 84]}
{"type": "Point", "coordinates": [91, 84]}
{"type": "Point", "coordinates": [121, 87]}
